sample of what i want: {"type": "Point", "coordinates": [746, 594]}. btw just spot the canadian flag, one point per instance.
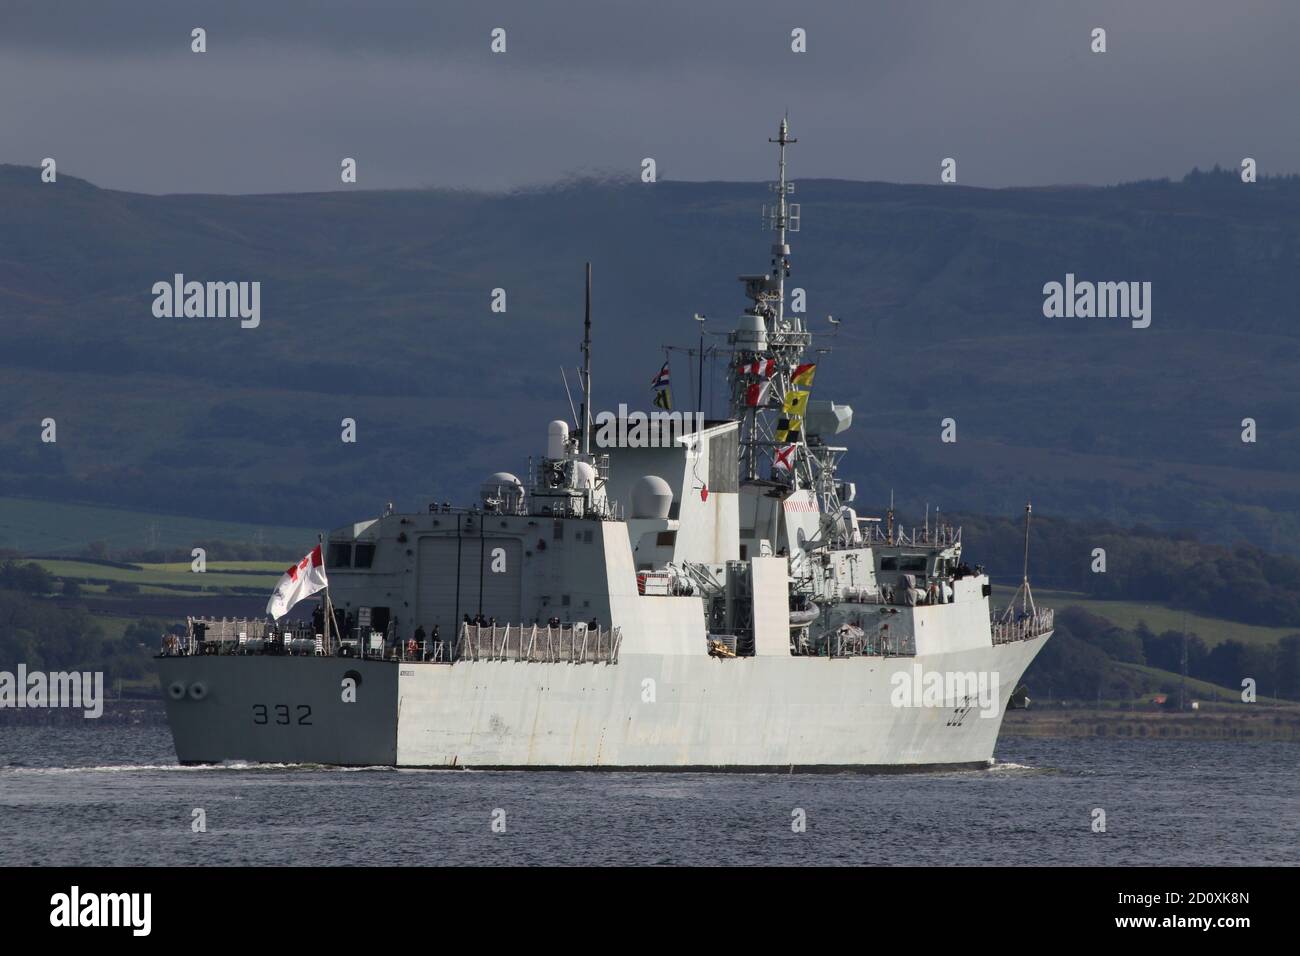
{"type": "Point", "coordinates": [302, 580]}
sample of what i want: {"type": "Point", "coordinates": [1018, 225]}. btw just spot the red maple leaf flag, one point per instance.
{"type": "Point", "coordinates": [300, 581]}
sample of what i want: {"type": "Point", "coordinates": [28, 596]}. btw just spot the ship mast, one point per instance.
{"type": "Point", "coordinates": [765, 335]}
{"type": "Point", "coordinates": [1024, 594]}
{"type": "Point", "coordinates": [586, 371]}
{"type": "Point", "coordinates": [781, 221]}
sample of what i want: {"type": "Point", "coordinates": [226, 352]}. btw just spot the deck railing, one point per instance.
{"type": "Point", "coordinates": [242, 636]}
{"type": "Point", "coordinates": [939, 536]}
{"type": "Point", "coordinates": [567, 643]}
{"type": "Point", "coordinates": [882, 643]}
{"type": "Point", "coordinates": [1022, 626]}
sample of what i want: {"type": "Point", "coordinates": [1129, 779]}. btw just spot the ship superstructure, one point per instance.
{"type": "Point", "coordinates": [705, 596]}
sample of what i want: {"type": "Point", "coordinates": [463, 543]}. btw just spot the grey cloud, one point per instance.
{"type": "Point", "coordinates": [411, 90]}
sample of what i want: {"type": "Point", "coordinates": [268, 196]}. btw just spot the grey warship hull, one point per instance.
{"type": "Point", "coordinates": [754, 714]}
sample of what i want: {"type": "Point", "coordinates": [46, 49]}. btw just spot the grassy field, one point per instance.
{"type": "Point", "coordinates": [1158, 617]}
{"type": "Point", "coordinates": [1218, 721]}
{"type": "Point", "coordinates": [170, 578]}
{"type": "Point", "coordinates": [275, 568]}
{"type": "Point", "coordinates": [32, 526]}
{"type": "Point", "coordinates": [1201, 689]}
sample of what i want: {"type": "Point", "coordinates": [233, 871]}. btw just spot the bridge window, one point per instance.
{"type": "Point", "coordinates": [340, 555]}
{"type": "Point", "coordinates": [364, 555]}
{"type": "Point", "coordinates": [666, 539]}
{"type": "Point", "coordinates": [907, 563]}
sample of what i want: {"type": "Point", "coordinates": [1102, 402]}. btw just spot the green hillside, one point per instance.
{"type": "Point", "coordinates": [1159, 617]}
{"type": "Point", "coordinates": [375, 306]}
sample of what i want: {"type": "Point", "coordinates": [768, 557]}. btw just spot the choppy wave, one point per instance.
{"type": "Point", "coordinates": [1018, 768]}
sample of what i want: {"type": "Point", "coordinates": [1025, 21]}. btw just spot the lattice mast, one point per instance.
{"type": "Point", "coordinates": [766, 334]}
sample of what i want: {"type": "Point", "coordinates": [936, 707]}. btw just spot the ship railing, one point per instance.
{"type": "Point", "coordinates": [882, 643]}
{"type": "Point", "coordinates": [432, 650]}
{"type": "Point", "coordinates": [538, 643]}
{"type": "Point", "coordinates": [1009, 627]}
{"type": "Point", "coordinates": [225, 636]}
{"type": "Point", "coordinates": [939, 536]}
{"type": "Point", "coordinates": [862, 595]}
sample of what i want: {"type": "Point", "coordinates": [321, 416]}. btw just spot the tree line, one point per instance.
{"type": "Point", "coordinates": [1079, 662]}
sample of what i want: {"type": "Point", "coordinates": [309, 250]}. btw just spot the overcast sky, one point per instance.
{"type": "Point", "coordinates": [411, 90]}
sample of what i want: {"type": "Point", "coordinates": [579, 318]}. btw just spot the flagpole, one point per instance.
{"type": "Point", "coordinates": [329, 605]}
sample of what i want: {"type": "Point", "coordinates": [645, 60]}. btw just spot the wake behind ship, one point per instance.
{"type": "Point", "coordinates": [660, 593]}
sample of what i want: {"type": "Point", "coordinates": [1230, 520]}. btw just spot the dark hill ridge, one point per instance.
{"type": "Point", "coordinates": [375, 305]}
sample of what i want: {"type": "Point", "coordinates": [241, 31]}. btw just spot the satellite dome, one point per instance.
{"type": "Point", "coordinates": [651, 497]}
{"type": "Point", "coordinates": [502, 489]}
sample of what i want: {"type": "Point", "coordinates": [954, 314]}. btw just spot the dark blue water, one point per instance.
{"type": "Point", "coordinates": [114, 796]}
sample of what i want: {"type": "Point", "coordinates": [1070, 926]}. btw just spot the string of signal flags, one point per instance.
{"type": "Point", "coordinates": [759, 374]}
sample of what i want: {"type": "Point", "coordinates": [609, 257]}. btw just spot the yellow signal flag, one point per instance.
{"type": "Point", "coordinates": [664, 400]}
{"type": "Point", "coordinates": [796, 402]}
{"type": "Point", "coordinates": [789, 429]}
{"type": "Point", "coordinates": [803, 375]}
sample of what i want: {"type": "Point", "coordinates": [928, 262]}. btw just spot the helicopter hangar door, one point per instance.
{"type": "Point", "coordinates": [502, 581]}
{"type": "Point", "coordinates": [488, 575]}
{"type": "Point", "coordinates": [436, 593]}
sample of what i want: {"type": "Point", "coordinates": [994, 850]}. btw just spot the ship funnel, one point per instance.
{"type": "Point", "coordinates": [557, 439]}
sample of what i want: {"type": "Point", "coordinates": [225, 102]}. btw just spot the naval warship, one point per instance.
{"type": "Point", "coordinates": [705, 597]}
